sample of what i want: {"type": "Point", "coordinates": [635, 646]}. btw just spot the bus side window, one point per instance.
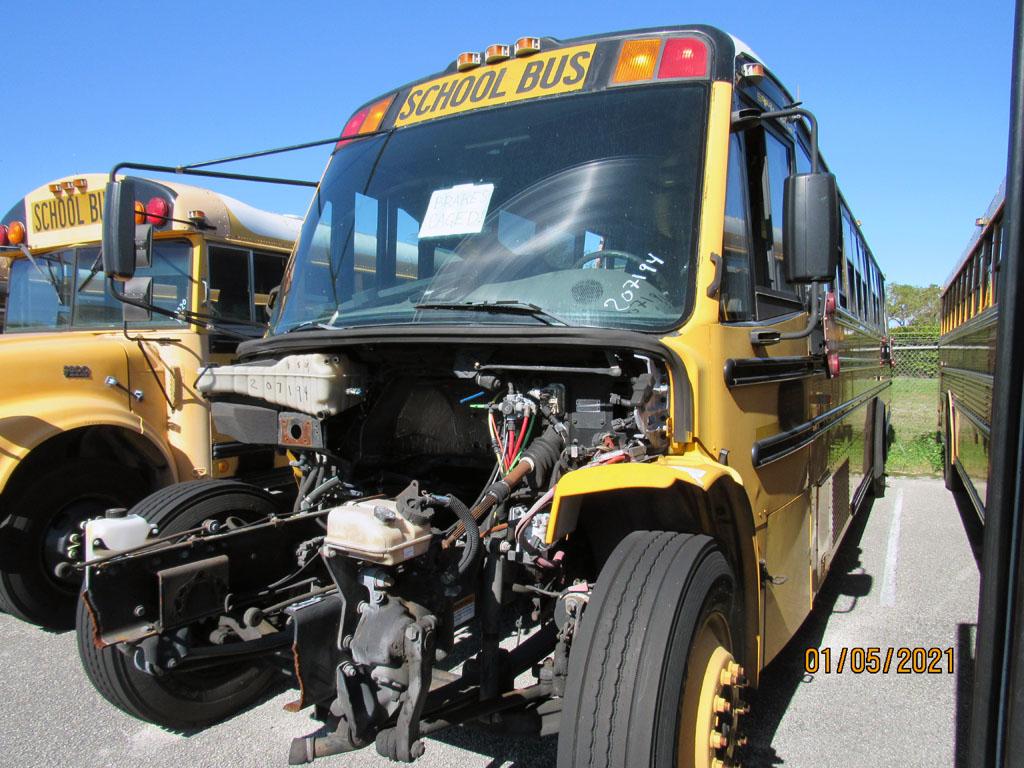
{"type": "Point", "coordinates": [847, 296]}
{"type": "Point", "coordinates": [267, 270]}
{"type": "Point", "coordinates": [769, 162]}
{"type": "Point", "coordinates": [229, 284]}
{"type": "Point", "coordinates": [736, 297]}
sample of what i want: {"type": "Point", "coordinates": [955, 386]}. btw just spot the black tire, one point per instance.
{"type": "Point", "coordinates": [879, 434]}
{"type": "Point", "coordinates": [181, 700]}
{"type": "Point", "coordinates": [41, 517]}
{"type": "Point", "coordinates": [642, 658]}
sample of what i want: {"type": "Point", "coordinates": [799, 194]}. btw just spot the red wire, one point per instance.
{"type": "Point", "coordinates": [522, 435]}
{"type": "Point", "coordinates": [510, 453]}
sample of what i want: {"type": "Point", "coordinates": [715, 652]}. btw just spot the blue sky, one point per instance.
{"type": "Point", "coordinates": [912, 99]}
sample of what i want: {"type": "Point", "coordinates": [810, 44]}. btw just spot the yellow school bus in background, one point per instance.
{"type": "Point", "coordinates": [98, 408]}
{"type": "Point", "coordinates": [967, 357]}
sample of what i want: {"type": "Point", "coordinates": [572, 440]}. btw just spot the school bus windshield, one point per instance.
{"type": "Point", "coordinates": [67, 289]}
{"type": "Point", "coordinates": [583, 207]}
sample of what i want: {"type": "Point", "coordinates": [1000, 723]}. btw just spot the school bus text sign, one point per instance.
{"type": "Point", "coordinates": [543, 74]}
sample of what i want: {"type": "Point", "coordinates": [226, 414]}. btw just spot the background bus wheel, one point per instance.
{"type": "Point", "coordinates": [652, 676]}
{"type": "Point", "coordinates": [42, 518]}
{"type": "Point", "coordinates": [181, 700]}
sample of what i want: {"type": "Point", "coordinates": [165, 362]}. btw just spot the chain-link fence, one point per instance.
{"type": "Point", "coordinates": [916, 354]}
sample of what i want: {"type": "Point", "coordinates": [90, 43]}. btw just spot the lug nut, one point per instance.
{"type": "Point", "coordinates": [731, 674]}
{"type": "Point", "coordinates": [716, 763]}
{"type": "Point", "coordinates": [348, 669]}
{"type": "Point", "coordinates": [717, 740]}
{"type": "Point", "coordinates": [721, 704]}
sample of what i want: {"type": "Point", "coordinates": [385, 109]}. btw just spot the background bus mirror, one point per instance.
{"type": "Point", "coordinates": [143, 245]}
{"type": "Point", "coordinates": [138, 289]}
{"type": "Point", "coordinates": [127, 246]}
{"type": "Point", "coordinates": [119, 229]}
{"type": "Point", "coordinates": [812, 237]}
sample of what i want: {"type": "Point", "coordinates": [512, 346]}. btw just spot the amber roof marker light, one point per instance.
{"type": "Point", "coordinates": [497, 53]}
{"type": "Point", "coordinates": [467, 60]}
{"type": "Point", "coordinates": [526, 46]}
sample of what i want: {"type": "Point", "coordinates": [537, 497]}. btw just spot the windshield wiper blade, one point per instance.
{"type": "Point", "coordinates": [319, 323]}
{"type": "Point", "coordinates": [511, 307]}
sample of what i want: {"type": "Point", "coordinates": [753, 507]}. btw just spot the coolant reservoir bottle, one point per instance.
{"type": "Point", "coordinates": [116, 532]}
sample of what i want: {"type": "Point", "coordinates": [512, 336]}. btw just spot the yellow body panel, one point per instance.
{"type": "Point", "coordinates": [693, 468]}
{"type": "Point", "coordinates": [42, 401]}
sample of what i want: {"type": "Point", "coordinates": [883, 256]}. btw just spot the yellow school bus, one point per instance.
{"type": "Point", "coordinates": [96, 411]}
{"type": "Point", "coordinates": [967, 357]}
{"type": "Point", "coordinates": [579, 338]}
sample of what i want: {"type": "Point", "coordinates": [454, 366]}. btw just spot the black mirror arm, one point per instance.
{"type": "Point", "coordinates": [745, 119]}
{"type": "Point", "coordinates": [767, 338]}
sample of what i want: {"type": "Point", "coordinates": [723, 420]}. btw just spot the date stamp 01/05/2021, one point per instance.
{"type": "Point", "coordinates": [876, 660]}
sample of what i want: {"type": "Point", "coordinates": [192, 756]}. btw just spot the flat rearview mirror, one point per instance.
{"type": "Point", "coordinates": [812, 234]}
{"type": "Point", "coordinates": [138, 289]}
{"type": "Point", "coordinates": [127, 246]}
{"type": "Point", "coordinates": [119, 229]}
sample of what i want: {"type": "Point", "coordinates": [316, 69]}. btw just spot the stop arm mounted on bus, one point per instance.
{"type": "Point", "coordinates": [743, 120]}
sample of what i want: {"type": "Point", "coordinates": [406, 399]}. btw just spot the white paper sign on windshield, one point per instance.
{"type": "Point", "coordinates": [460, 210]}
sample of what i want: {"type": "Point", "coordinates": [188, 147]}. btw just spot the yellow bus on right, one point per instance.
{"type": "Point", "coordinates": [967, 354]}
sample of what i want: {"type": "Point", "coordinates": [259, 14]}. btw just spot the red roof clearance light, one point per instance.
{"type": "Point", "coordinates": [366, 120]}
{"type": "Point", "coordinates": [158, 211]}
{"type": "Point", "coordinates": [683, 57]}
{"type": "Point", "coordinates": [3, 235]}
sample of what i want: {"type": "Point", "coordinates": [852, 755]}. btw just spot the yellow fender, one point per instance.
{"type": "Point", "coordinates": [693, 468]}
{"type": "Point", "coordinates": [21, 434]}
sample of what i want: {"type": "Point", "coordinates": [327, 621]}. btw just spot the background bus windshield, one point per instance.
{"type": "Point", "coordinates": [584, 207]}
{"type": "Point", "coordinates": [67, 289]}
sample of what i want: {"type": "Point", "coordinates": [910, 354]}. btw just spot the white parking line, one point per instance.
{"type": "Point", "coordinates": [892, 554]}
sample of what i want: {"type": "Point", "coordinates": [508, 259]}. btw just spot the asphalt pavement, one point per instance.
{"type": "Point", "coordinates": [906, 577]}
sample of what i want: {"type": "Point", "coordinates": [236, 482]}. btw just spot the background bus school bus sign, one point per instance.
{"type": "Point", "coordinates": [53, 216]}
{"type": "Point", "coordinates": [544, 74]}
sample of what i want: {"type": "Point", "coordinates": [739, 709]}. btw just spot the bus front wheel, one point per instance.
{"type": "Point", "coordinates": [43, 519]}
{"type": "Point", "coordinates": [181, 700]}
{"type": "Point", "coordinates": [653, 677]}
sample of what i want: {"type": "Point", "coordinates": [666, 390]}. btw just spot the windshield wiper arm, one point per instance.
{"type": "Point", "coordinates": [511, 307]}
{"type": "Point", "coordinates": [97, 265]}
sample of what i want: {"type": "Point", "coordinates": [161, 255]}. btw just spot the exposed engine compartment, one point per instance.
{"type": "Point", "coordinates": [429, 472]}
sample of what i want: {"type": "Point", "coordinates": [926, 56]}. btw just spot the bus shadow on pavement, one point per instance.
{"type": "Point", "coordinates": [973, 527]}
{"type": "Point", "coordinates": [505, 751]}
{"type": "Point", "coordinates": [785, 673]}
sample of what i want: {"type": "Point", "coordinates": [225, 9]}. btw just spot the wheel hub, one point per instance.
{"type": "Point", "coordinates": [716, 697]}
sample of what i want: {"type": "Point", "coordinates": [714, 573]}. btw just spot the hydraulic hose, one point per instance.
{"type": "Point", "coordinates": [467, 523]}
{"type": "Point", "coordinates": [539, 457]}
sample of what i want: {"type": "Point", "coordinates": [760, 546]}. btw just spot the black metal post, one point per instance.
{"type": "Point", "coordinates": [997, 716]}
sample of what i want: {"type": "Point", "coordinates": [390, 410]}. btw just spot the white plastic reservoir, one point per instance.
{"type": "Point", "coordinates": [317, 384]}
{"type": "Point", "coordinates": [114, 534]}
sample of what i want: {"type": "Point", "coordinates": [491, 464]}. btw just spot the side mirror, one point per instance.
{"type": "Point", "coordinates": [126, 246]}
{"type": "Point", "coordinates": [140, 290]}
{"type": "Point", "coordinates": [812, 234]}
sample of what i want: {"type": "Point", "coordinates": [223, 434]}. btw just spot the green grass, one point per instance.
{"type": "Point", "coordinates": [915, 449]}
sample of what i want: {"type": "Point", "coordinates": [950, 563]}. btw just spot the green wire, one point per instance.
{"type": "Point", "coordinates": [526, 440]}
